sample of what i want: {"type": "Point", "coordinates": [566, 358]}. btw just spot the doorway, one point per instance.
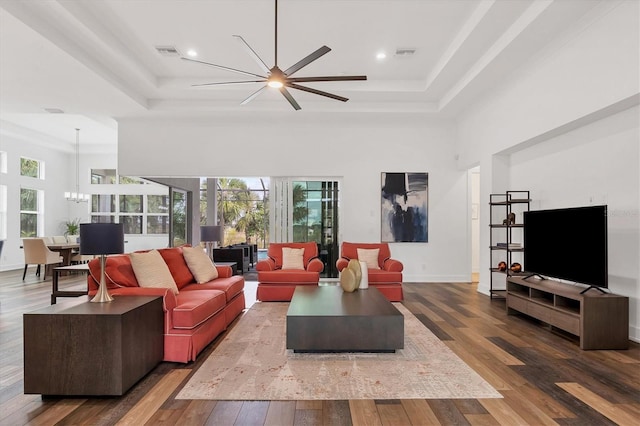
{"type": "Point", "coordinates": [474, 195]}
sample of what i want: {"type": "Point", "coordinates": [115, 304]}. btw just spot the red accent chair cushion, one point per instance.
{"type": "Point", "coordinates": [387, 279]}
{"type": "Point", "coordinates": [277, 284]}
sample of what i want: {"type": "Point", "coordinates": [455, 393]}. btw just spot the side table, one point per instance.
{"type": "Point", "coordinates": [92, 348]}
{"type": "Point", "coordinates": [55, 292]}
{"type": "Point", "coordinates": [232, 265]}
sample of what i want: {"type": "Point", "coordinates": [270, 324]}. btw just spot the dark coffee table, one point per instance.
{"type": "Point", "coordinates": [327, 319]}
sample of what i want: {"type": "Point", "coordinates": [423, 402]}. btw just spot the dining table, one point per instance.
{"type": "Point", "coordinates": [65, 250]}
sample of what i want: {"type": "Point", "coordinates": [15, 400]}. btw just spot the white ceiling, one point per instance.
{"type": "Point", "coordinates": [96, 60]}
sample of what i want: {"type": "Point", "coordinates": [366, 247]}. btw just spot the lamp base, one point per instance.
{"type": "Point", "coordinates": [102, 295]}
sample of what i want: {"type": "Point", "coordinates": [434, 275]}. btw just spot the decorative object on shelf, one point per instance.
{"type": "Point", "coordinates": [77, 196]}
{"type": "Point", "coordinates": [506, 237]}
{"type": "Point", "coordinates": [516, 267]}
{"type": "Point", "coordinates": [510, 220]}
{"type": "Point", "coordinates": [102, 239]}
{"type": "Point", "coordinates": [404, 205]}
{"type": "Point", "coordinates": [364, 281]}
{"type": "Point", "coordinates": [210, 234]}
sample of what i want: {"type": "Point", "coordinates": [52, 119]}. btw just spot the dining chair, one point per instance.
{"type": "Point", "coordinates": [36, 252]}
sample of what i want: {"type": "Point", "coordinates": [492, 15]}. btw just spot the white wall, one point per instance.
{"type": "Point", "coordinates": [57, 180]}
{"type": "Point", "coordinates": [567, 128]}
{"type": "Point", "coordinates": [59, 177]}
{"type": "Point", "coordinates": [356, 151]}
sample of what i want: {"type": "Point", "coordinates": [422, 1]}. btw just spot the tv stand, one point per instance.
{"type": "Point", "coordinates": [594, 287]}
{"type": "Point", "coordinates": [601, 321]}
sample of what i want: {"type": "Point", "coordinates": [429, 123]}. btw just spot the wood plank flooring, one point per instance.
{"type": "Point", "coordinates": [543, 375]}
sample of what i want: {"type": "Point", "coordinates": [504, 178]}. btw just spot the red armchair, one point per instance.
{"type": "Point", "coordinates": [276, 284]}
{"type": "Point", "coordinates": [387, 279]}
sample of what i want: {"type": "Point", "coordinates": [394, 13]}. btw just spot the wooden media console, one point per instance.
{"type": "Point", "coordinates": [601, 321]}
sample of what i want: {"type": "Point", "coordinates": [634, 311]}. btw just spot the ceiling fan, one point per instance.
{"type": "Point", "coordinates": [276, 78]}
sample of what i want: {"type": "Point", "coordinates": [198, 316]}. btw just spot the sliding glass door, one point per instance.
{"type": "Point", "coordinates": [306, 210]}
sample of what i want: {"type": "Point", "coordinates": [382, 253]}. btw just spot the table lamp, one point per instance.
{"type": "Point", "coordinates": [210, 234]}
{"type": "Point", "coordinates": [102, 239]}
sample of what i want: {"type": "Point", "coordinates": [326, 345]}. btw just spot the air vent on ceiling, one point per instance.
{"type": "Point", "coordinates": [168, 51]}
{"type": "Point", "coordinates": [54, 110]}
{"type": "Point", "coordinates": [405, 51]}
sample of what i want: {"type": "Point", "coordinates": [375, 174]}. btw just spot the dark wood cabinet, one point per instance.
{"type": "Point", "coordinates": [601, 321]}
{"type": "Point", "coordinates": [92, 348]}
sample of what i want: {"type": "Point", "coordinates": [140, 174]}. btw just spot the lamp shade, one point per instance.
{"type": "Point", "coordinates": [101, 238]}
{"type": "Point", "coordinates": [211, 233]}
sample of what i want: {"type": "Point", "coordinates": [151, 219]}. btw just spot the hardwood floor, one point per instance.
{"type": "Point", "coordinates": [543, 375]}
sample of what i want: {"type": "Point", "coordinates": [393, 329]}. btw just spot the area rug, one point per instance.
{"type": "Point", "coordinates": [252, 363]}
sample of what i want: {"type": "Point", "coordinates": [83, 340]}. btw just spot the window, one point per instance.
{"type": "Point", "coordinates": [243, 209]}
{"type": "Point", "coordinates": [103, 176]}
{"type": "Point", "coordinates": [140, 214]}
{"type": "Point", "coordinates": [31, 168]}
{"type": "Point", "coordinates": [3, 162]}
{"type": "Point", "coordinates": [127, 180]}
{"type": "Point", "coordinates": [157, 214]}
{"type": "Point", "coordinates": [30, 200]}
{"type": "Point", "coordinates": [131, 204]}
{"type": "Point", "coordinates": [103, 208]}
{"type": "Point", "coordinates": [3, 212]}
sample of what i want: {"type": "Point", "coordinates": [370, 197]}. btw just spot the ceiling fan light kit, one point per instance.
{"type": "Point", "coordinates": [276, 78]}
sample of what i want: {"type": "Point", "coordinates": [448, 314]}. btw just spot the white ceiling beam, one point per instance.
{"type": "Point", "coordinates": [54, 23]}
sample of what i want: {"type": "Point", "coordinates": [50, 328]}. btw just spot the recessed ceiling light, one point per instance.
{"type": "Point", "coordinates": [380, 56]}
{"type": "Point", "coordinates": [192, 53]}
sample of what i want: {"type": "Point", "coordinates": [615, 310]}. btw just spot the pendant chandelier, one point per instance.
{"type": "Point", "coordinates": [77, 196]}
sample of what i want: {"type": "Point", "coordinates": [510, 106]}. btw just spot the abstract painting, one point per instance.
{"type": "Point", "coordinates": [404, 204]}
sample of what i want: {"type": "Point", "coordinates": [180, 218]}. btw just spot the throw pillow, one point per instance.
{"type": "Point", "coordinates": [292, 258]}
{"type": "Point", "coordinates": [370, 257]}
{"type": "Point", "coordinates": [199, 264]}
{"type": "Point", "coordinates": [151, 271]}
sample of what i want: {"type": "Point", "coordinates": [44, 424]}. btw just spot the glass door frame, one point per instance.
{"type": "Point", "coordinates": [281, 211]}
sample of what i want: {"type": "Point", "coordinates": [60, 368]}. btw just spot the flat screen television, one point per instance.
{"type": "Point", "coordinates": [569, 244]}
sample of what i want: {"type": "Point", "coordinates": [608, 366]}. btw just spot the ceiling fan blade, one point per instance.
{"type": "Point", "coordinates": [227, 82]}
{"type": "Point", "coordinates": [253, 95]}
{"type": "Point", "coordinates": [292, 101]}
{"type": "Point", "coordinates": [307, 60]}
{"type": "Point", "coordinates": [253, 54]}
{"type": "Point", "coordinates": [224, 68]}
{"type": "Point", "coordinates": [327, 78]}
{"type": "Point", "coordinates": [317, 92]}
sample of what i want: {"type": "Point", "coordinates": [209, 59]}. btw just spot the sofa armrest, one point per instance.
{"type": "Point", "coordinates": [266, 265]}
{"type": "Point", "coordinates": [224, 271]}
{"type": "Point", "coordinates": [392, 265]}
{"type": "Point", "coordinates": [342, 263]}
{"type": "Point", "coordinates": [315, 265]}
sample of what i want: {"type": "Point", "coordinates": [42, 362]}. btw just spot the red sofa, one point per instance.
{"type": "Point", "coordinates": [276, 284]}
{"type": "Point", "coordinates": [387, 279]}
{"type": "Point", "coordinates": [195, 316]}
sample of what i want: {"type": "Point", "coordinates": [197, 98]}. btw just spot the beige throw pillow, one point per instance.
{"type": "Point", "coordinates": [151, 271]}
{"type": "Point", "coordinates": [199, 264]}
{"type": "Point", "coordinates": [292, 258]}
{"type": "Point", "coordinates": [370, 257]}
